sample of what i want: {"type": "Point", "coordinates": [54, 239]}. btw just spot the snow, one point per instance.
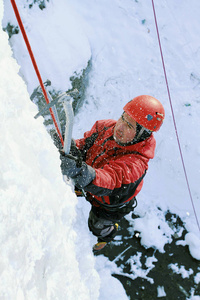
{"type": "Point", "coordinates": [45, 243]}
{"type": "Point", "coordinates": [38, 210]}
{"type": "Point", "coordinates": [161, 291]}
{"type": "Point", "coordinates": [158, 234]}
{"type": "Point", "coordinates": [194, 244]}
{"type": "Point", "coordinates": [197, 278]}
{"type": "Point", "coordinates": [184, 273]}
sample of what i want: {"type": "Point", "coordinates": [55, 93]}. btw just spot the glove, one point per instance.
{"type": "Point", "coordinates": [73, 149]}
{"type": "Point", "coordinates": [82, 174]}
{"type": "Point", "coordinates": [56, 141]}
{"type": "Point", "coordinates": [77, 153]}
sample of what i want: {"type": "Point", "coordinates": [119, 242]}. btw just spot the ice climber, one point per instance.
{"type": "Point", "coordinates": [110, 162]}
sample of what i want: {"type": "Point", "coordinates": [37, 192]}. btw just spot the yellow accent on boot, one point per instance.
{"type": "Point", "coordinates": [116, 225]}
{"type": "Point", "coordinates": [99, 246]}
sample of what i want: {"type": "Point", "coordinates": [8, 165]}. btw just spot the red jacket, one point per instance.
{"type": "Point", "coordinates": [119, 169]}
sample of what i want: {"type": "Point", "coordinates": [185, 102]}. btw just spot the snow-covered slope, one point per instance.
{"type": "Point", "coordinates": [45, 243]}
{"type": "Point", "coordinates": [38, 243]}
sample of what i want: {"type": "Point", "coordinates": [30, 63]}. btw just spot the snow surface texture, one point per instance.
{"type": "Point", "coordinates": [38, 243]}
{"type": "Point", "coordinates": [45, 243]}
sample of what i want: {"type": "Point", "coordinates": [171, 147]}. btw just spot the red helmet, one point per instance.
{"type": "Point", "coordinates": [146, 111]}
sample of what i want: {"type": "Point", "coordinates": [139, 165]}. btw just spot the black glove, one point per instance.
{"type": "Point", "coordinates": [56, 141]}
{"type": "Point", "coordinates": [73, 149]}
{"type": "Point", "coordinates": [82, 174]}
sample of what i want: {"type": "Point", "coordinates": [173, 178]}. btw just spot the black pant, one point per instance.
{"type": "Point", "coordinates": [102, 222]}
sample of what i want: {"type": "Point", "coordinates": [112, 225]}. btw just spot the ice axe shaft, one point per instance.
{"type": "Point", "coordinates": [67, 103]}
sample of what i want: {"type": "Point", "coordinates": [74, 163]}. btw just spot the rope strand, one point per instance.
{"type": "Point", "coordinates": [173, 116]}
{"type": "Point", "coordinates": [35, 65]}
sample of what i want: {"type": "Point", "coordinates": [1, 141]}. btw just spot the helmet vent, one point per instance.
{"type": "Point", "coordinates": [149, 117]}
{"type": "Point", "coordinates": [161, 116]}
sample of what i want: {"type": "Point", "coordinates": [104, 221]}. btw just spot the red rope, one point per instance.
{"type": "Point", "coordinates": [173, 116]}
{"type": "Point", "coordinates": [35, 65]}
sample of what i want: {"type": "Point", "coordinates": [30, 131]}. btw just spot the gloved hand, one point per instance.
{"type": "Point", "coordinates": [76, 152]}
{"type": "Point", "coordinates": [56, 141]}
{"type": "Point", "coordinates": [70, 165]}
{"type": "Point", "coordinates": [82, 174]}
{"type": "Point", "coordinates": [73, 149]}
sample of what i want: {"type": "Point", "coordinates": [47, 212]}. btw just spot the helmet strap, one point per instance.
{"type": "Point", "coordinates": [141, 134]}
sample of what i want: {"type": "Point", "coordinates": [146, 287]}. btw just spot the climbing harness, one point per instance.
{"type": "Point", "coordinates": [173, 116]}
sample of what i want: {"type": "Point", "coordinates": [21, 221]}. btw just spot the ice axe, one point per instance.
{"type": "Point", "coordinates": [66, 99]}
